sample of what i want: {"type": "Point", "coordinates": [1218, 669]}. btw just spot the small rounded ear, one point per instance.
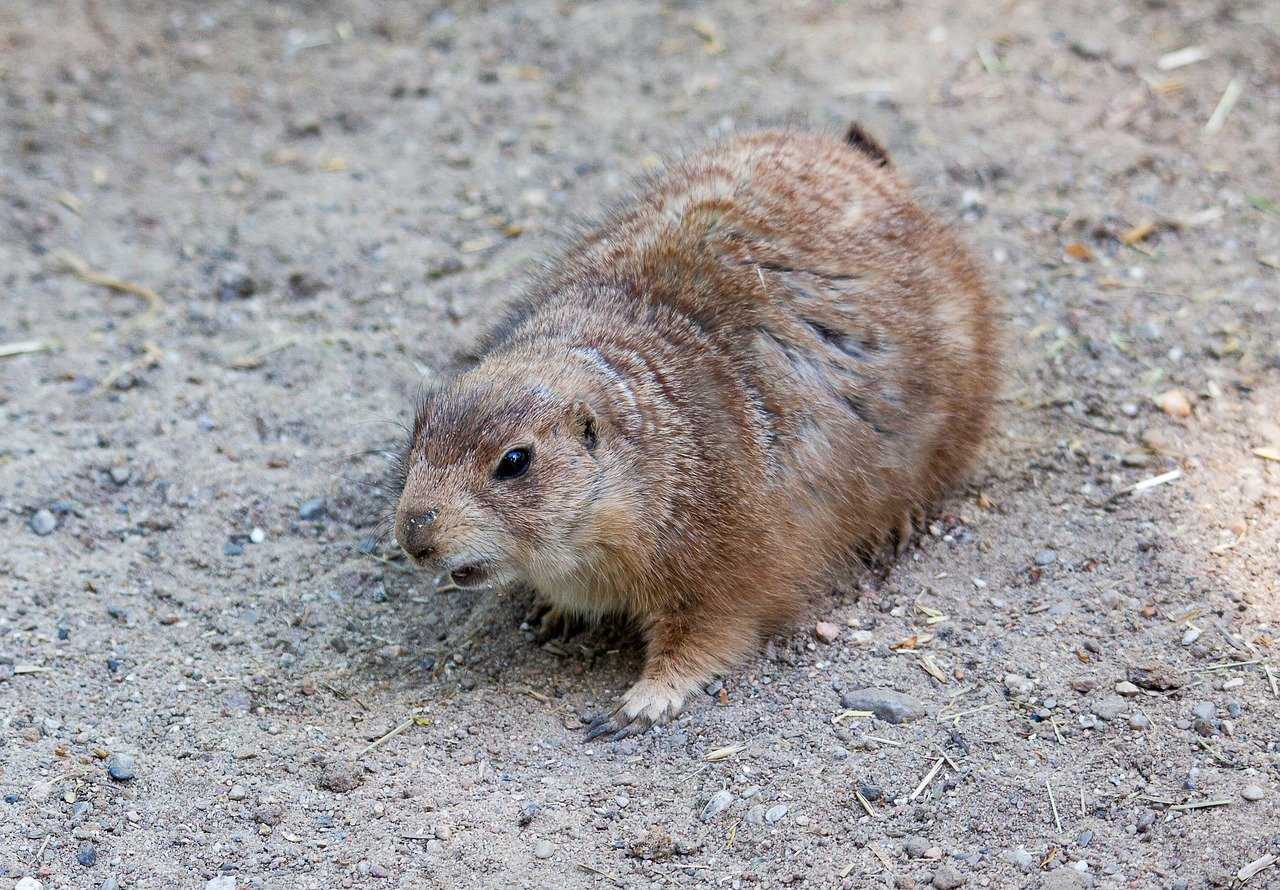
{"type": "Point", "coordinates": [584, 423]}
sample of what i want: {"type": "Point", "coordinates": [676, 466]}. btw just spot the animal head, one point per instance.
{"type": "Point", "coordinates": [499, 482]}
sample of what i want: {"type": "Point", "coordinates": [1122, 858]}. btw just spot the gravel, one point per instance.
{"type": "Point", "coordinates": [312, 509]}
{"type": "Point", "coordinates": [948, 877]}
{"type": "Point", "coordinates": [718, 803]}
{"type": "Point", "coordinates": [122, 767]}
{"type": "Point", "coordinates": [43, 522]}
{"type": "Point", "coordinates": [1109, 707]}
{"type": "Point", "coordinates": [889, 705]}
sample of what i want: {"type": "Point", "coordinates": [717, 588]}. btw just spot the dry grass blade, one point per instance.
{"type": "Point", "coordinates": [958, 714]}
{"type": "Point", "coordinates": [151, 356]}
{"type": "Point", "coordinates": [415, 720]}
{"type": "Point", "coordinates": [928, 778]}
{"type": "Point", "coordinates": [1182, 57]}
{"type": "Point", "coordinates": [930, 668]}
{"type": "Point", "coordinates": [27, 347]}
{"type": "Point", "coordinates": [1200, 805]}
{"type": "Point", "coordinates": [866, 805]}
{"type": "Point", "coordinates": [1053, 805]}
{"type": "Point", "coordinates": [1230, 96]}
{"type": "Point", "coordinates": [1257, 865]}
{"type": "Point", "coordinates": [257, 357]}
{"type": "Point", "coordinates": [1138, 233]}
{"type": "Point", "coordinates": [1268, 453]}
{"type": "Point", "coordinates": [849, 715]}
{"type": "Point", "coordinates": [724, 753]}
{"type": "Point", "coordinates": [595, 871]}
{"type": "Point", "coordinates": [76, 266]}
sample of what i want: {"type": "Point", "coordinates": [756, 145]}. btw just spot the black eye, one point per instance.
{"type": "Point", "coordinates": [513, 464]}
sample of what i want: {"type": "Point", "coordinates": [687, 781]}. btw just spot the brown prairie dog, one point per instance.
{"type": "Point", "coordinates": [768, 361]}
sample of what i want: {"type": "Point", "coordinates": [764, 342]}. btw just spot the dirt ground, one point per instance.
{"type": "Point", "coordinates": [328, 198]}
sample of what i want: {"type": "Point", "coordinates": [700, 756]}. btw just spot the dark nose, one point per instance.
{"type": "Point", "coordinates": [415, 534]}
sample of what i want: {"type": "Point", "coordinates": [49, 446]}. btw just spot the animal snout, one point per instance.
{"type": "Point", "coordinates": [416, 534]}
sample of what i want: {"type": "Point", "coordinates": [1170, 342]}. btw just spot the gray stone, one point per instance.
{"type": "Point", "coordinates": [889, 705]}
{"type": "Point", "coordinates": [311, 509]}
{"type": "Point", "coordinates": [1127, 689]}
{"type": "Point", "coordinates": [1021, 858]}
{"type": "Point", "coordinates": [718, 803]}
{"type": "Point", "coordinates": [1253, 792]}
{"type": "Point", "coordinates": [122, 767]}
{"type": "Point", "coordinates": [1204, 710]}
{"type": "Point", "coordinates": [1108, 708]}
{"type": "Point", "coordinates": [87, 855]}
{"type": "Point", "coordinates": [1046, 557]}
{"type": "Point", "coordinates": [916, 846]}
{"type": "Point", "coordinates": [1139, 721]}
{"type": "Point", "coordinates": [221, 882]}
{"type": "Point", "coordinates": [28, 884]}
{"type": "Point", "coordinates": [1018, 685]}
{"type": "Point", "coordinates": [120, 475]}
{"type": "Point", "coordinates": [1064, 878]}
{"type": "Point", "coordinates": [544, 849]}
{"type": "Point", "coordinates": [776, 812]}
{"type": "Point", "coordinates": [43, 523]}
{"type": "Point", "coordinates": [948, 877]}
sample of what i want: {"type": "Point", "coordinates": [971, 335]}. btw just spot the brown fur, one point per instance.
{"type": "Point", "coordinates": [770, 359]}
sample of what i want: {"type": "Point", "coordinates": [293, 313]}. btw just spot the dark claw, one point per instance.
{"type": "Point", "coordinates": [635, 727]}
{"type": "Point", "coordinates": [600, 726]}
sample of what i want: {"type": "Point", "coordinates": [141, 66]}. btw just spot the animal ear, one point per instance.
{"type": "Point", "coordinates": [862, 141]}
{"type": "Point", "coordinates": [584, 423]}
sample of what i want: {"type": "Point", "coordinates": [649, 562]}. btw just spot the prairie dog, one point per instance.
{"type": "Point", "coordinates": [769, 360]}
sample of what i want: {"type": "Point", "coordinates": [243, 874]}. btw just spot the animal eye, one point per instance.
{"type": "Point", "coordinates": [513, 464]}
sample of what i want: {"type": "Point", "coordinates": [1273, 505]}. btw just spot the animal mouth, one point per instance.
{"type": "Point", "coordinates": [466, 577]}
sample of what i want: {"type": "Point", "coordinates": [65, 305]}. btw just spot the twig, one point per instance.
{"type": "Point", "coordinates": [1053, 805]}
{"type": "Point", "coordinates": [1271, 678]}
{"type": "Point", "coordinates": [412, 721]}
{"type": "Point", "coordinates": [79, 268]}
{"type": "Point", "coordinates": [1224, 666]}
{"type": "Point", "coordinates": [924, 783]}
{"type": "Point", "coordinates": [958, 714]}
{"type": "Point", "coordinates": [1200, 805]}
{"type": "Point", "coordinates": [882, 740]}
{"type": "Point", "coordinates": [257, 357]}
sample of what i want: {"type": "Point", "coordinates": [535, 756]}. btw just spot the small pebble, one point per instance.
{"type": "Point", "coordinates": [312, 509]}
{"type": "Point", "coordinates": [28, 884]}
{"type": "Point", "coordinates": [232, 548]}
{"type": "Point", "coordinates": [889, 705]}
{"type": "Point", "coordinates": [120, 475]}
{"type": "Point", "coordinates": [87, 855]}
{"type": "Point", "coordinates": [235, 283]}
{"type": "Point", "coordinates": [121, 767]}
{"type": "Point", "coordinates": [718, 803]}
{"type": "Point", "coordinates": [1108, 708]}
{"type": "Point", "coordinates": [775, 813]}
{"type": "Point", "coordinates": [544, 849]}
{"type": "Point", "coordinates": [1127, 689]}
{"type": "Point", "coordinates": [826, 632]}
{"type": "Point", "coordinates": [528, 813]}
{"type": "Point", "coordinates": [443, 832]}
{"type": "Point", "coordinates": [1139, 721]}
{"type": "Point", "coordinates": [1204, 710]}
{"type": "Point", "coordinates": [43, 523]}
{"type": "Point", "coordinates": [257, 536]}
{"type": "Point", "coordinates": [1046, 557]}
{"type": "Point", "coordinates": [1253, 792]}
{"type": "Point", "coordinates": [948, 877]}
{"type": "Point", "coordinates": [221, 882]}
{"type": "Point", "coordinates": [237, 792]}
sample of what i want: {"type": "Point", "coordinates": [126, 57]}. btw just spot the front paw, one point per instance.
{"type": "Point", "coordinates": [648, 703]}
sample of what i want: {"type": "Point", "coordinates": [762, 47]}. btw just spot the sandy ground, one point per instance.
{"type": "Point", "coordinates": [331, 197]}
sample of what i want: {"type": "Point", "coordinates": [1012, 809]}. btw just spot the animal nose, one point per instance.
{"type": "Point", "coordinates": [416, 535]}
